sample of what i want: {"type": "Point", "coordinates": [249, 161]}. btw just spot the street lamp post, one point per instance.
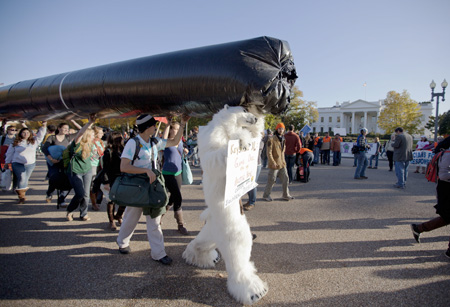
{"type": "Point", "coordinates": [433, 94]}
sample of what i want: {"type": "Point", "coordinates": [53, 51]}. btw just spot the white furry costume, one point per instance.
{"type": "Point", "coordinates": [226, 228]}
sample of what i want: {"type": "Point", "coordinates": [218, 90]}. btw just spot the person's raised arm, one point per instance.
{"type": "Point", "coordinates": [176, 140]}
{"type": "Point", "coordinates": [75, 124]}
{"type": "Point", "coordinates": [84, 128]}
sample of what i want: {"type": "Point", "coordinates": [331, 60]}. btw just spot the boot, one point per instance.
{"type": "Point", "coordinates": [119, 215]}
{"type": "Point", "coordinates": [431, 224]}
{"type": "Point", "coordinates": [179, 217]}
{"type": "Point", "coordinates": [93, 197]}
{"type": "Point", "coordinates": [110, 211]}
{"type": "Point", "coordinates": [21, 193]}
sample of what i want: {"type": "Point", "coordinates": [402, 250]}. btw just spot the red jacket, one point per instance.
{"type": "Point", "coordinates": [293, 143]}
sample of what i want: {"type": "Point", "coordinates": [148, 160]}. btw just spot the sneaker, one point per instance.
{"type": "Point", "coordinates": [166, 260]}
{"type": "Point", "coordinates": [268, 198]}
{"type": "Point", "coordinates": [359, 178]}
{"type": "Point", "coordinates": [370, 167]}
{"type": "Point", "coordinates": [85, 218]}
{"type": "Point", "coordinates": [69, 216]}
{"type": "Point", "coordinates": [416, 233]}
{"type": "Point", "coordinates": [288, 198]}
{"type": "Point", "coordinates": [48, 199]}
{"type": "Point", "coordinates": [398, 186]}
{"type": "Point", "coordinates": [63, 205]}
{"type": "Point", "coordinates": [124, 250]}
{"type": "Point", "coordinates": [447, 253]}
{"type": "Point", "coordinates": [364, 177]}
{"type": "Point", "coordinates": [248, 207]}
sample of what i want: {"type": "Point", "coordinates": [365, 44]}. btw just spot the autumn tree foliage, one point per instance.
{"type": "Point", "coordinates": [400, 111]}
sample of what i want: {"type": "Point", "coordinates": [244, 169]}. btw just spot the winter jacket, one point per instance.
{"type": "Point", "coordinates": [275, 153]}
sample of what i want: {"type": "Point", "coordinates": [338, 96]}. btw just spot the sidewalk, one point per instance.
{"type": "Point", "coordinates": [341, 242]}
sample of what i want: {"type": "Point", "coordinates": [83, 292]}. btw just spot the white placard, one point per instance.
{"type": "Point", "coordinates": [422, 157]}
{"type": "Point", "coordinates": [241, 170]}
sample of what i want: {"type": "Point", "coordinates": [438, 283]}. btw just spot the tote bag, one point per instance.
{"type": "Point", "coordinates": [186, 173]}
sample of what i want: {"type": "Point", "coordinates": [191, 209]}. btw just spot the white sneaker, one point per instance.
{"type": "Point", "coordinates": [63, 205]}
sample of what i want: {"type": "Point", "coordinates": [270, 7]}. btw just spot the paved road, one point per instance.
{"type": "Point", "coordinates": [341, 242]}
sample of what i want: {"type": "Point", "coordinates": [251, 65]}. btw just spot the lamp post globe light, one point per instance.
{"type": "Point", "coordinates": [433, 94]}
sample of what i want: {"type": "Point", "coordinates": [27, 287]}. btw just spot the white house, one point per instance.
{"type": "Point", "coordinates": [352, 116]}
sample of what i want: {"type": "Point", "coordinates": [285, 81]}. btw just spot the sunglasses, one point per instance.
{"type": "Point", "coordinates": [12, 130]}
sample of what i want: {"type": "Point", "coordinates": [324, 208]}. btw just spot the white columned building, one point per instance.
{"type": "Point", "coordinates": [352, 116]}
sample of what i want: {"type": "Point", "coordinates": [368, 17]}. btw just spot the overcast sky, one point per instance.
{"type": "Point", "coordinates": [338, 46]}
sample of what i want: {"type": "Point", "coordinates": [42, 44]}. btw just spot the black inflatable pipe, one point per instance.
{"type": "Point", "coordinates": [198, 82]}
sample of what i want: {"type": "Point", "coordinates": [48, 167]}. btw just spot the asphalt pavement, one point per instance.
{"type": "Point", "coordinates": [341, 242]}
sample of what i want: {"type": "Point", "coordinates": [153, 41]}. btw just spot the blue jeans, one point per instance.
{"type": "Point", "coordinates": [316, 155]}
{"type": "Point", "coordinates": [361, 166]}
{"type": "Point", "coordinates": [336, 157]}
{"type": "Point", "coordinates": [22, 172]}
{"type": "Point", "coordinates": [376, 160]}
{"type": "Point", "coordinates": [81, 184]}
{"type": "Point", "coordinates": [307, 158]}
{"type": "Point", "coordinates": [290, 161]}
{"type": "Point", "coordinates": [252, 193]}
{"type": "Point", "coordinates": [401, 170]}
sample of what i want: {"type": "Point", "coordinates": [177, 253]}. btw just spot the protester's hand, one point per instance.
{"type": "Point", "coordinates": [92, 117]}
{"type": "Point", "coordinates": [185, 118]}
{"type": "Point", "coordinates": [44, 123]}
{"type": "Point", "coordinates": [151, 175]}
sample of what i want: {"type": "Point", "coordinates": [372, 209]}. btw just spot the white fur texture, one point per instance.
{"type": "Point", "coordinates": [226, 228]}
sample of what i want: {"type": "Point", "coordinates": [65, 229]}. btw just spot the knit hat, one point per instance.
{"type": "Point", "coordinates": [280, 125]}
{"type": "Point", "coordinates": [145, 121]}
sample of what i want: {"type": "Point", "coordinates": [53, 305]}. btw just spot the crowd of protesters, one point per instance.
{"type": "Point", "coordinates": [93, 166]}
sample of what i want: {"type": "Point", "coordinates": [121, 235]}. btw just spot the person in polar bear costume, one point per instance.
{"type": "Point", "coordinates": [226, 228]}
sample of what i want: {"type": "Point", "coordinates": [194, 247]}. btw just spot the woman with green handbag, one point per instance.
{"type": "Point", "coordinates": [143, 164]}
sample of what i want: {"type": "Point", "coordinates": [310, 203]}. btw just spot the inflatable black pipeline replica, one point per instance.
{"type": "Point", "coordinates": [198, 82]}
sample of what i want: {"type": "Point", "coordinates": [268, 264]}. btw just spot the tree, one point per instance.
{"type": "Point", "coordinates": [444, 123]}
{"type": "Point", "coordinates": [298, 113]}
{"type": "Point", "coordinates": [400, 111]}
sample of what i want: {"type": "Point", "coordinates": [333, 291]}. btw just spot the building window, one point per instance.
{"type": "Point", "coordinates": [330, 119]}
{"type": "Point", "coordinates": [314, 129]}
{"type": "Point", "coordinates": [338, 119]}
{"type": "Point", "coordinates": [321, 119]}
{"type": "Point", "coordinates": [329, 130]}
{"type": "Point", "coordinates": [374, 119]}
{"type": "Point", "coordinates": [321, 129]}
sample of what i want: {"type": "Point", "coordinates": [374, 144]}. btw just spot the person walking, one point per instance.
{"type": "Point", "coordinates": [52, 149]}
{"type": "Point", "coordinates": [443, 199]}
{"type": "Point", "coordinates": [293, 146]}
{"type": "Point", "coordinates": [143, 165]}
{"type": "Point", "coordinates": [79, 170]}
{"type": "Point", "coordinates": [21, 154]}
{"type": "Point", "coordinates": [277, 164]}
{"type": "Point", "coordinates": [109, 173]}
{"type": "Point", "coordinates": [360, 156]}
{"type": "Point", "coordinates": [402, 156]}
{"type": "Point", "coordinates": [171, 171]}
{"type": "Point", "coordinates": [98, 149]}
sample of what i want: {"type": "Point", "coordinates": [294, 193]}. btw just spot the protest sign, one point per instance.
{"type": "Point", "coordinates": [422, 157]}
{"type": "Point", "coordinates": [241, 170]}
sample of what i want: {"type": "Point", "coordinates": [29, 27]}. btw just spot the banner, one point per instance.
{"type": "Point", "coordinates": [346, 149]}
{"type": "Point", "coordinates": [241, 170]}
{"type": "Point", "coordinates": [422, 157]}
